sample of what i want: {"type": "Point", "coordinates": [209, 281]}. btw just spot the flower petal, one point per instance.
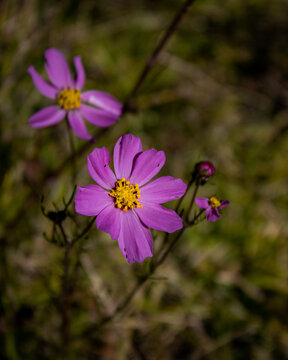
{"type": "Point", "coordinates": [42, 85]}
{"type": "Point", "coordinates": [224, 204]}
{"type": "Point", "coordinates": [48, 116]}
{"type": "Point", "coordinates": [146, 166]}
{"type": "Point", "coordinates": [98, 117]}
{"type": "Point", "coordinates": [212, 214]}
{"type": "Point", "coordinates": [57, 68]}
{"type": "Point", "coordinates": [163, 189]}
{"type": "Point", "coordinates": [103, 100]}
{"type": "Point", "coordinates": [109, 220]}
{"type": "Point", "coordinates": [90, 200]}
{"type": "Point", "coordinates": [203, 203]}
{"type": "Point", "coordinates": [135, 240]}
{"type": "Point", "coordinates": [77, 124]}
{"type": "Point", "coordinates": [80, 73]}
{"type": "Point", "coordinates": [159, 218]}
{"type": "Point", "coordinates": [98, 166]}
{"type": "Point", "coordinates": [126, 148]}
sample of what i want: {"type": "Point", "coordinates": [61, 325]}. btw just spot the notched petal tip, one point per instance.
{"type": "Point", "coordinates": [48, 116]}
{"type": "Point", "coordinates": [41, 84]}
{"type": "Point", "coordinates": [80, 72]}
{"type": "Point", "coordinates": [147, 165]}
{"type": "Point", "coordinates": [158, 217]}
{"type": "Point", "coordinates": [125, 150]}
{"type": "Point", "coordinates": [163, 189]}
{"type": "Point", "coordinates": [98, 167]}
{"type": "Point", "coordinates": [104, 101]}
{"type": "Point", "coordinates": [57, 68]}
{"type": "Point", "coordinates": [90, 200]}
{"type": "Point", "coordinates": [135, 239]}
{"type": "Point", "coordinates": [98, 117]}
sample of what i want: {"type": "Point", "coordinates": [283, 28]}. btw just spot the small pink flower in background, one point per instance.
{"type": "Point", "coordinates": [105, 109]}
{"type": "Point", "coordinates": [125, 203]}
{"type": "Point", "coordinates": [212, 206]}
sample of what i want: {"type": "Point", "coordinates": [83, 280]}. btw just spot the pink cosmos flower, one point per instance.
{"type": "Point", "coordinates": [105, 109]}
{"type": "Point", "coordinates": [212, 206]}
{"type": "Point", "coordinates": [124, 202]}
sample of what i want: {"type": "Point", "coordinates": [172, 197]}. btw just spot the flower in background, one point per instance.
{"type": "Point", "coordinates": [203, 171]}
{"type": "Point", "coordinates": [212, 206]}
{"type": "Point", "coordinates": [105, 109]}
{"type": "Point", "coordinates": [125, 205]}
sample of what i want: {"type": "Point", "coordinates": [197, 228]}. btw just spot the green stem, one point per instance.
{"type": "Point", "coordinates": [73, 153]}
{"type": "Point", "coordinates": [65, 296]}
{"type": "Point", "coordinates": [192, 202]}
{"type": "Point", "coordinates": [159, 47]}
{"type": "Point", "coordinates": [86, 229]}
{"type": "Point", "coordinates": [124, 304]}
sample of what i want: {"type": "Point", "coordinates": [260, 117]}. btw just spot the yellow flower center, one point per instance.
{"type": "Point", "coordinates": [69, 99]}
{"type": "Point", "coordinates": [214, 202]}
{"type": "Point", "coordinates": [125, 195]}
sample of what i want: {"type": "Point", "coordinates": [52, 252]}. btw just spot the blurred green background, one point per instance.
{"type": "Point", "coordinates": [218, 92]}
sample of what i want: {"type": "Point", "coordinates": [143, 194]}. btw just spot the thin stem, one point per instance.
{"type": "Point", "coordinates": [65, 295]}
{"type": "Point", "coordinates": [71, 198]}
{"type": "Point", "coordinates": [166, 237]}
{"type": "Point", "coordinates": [170, 247]}
{"type": "Point", "coordinates": [86, 229]}
{"type": "Point", "coordinates": [81, 150]}
{"type": "Point", "coordinates": [192, 201]}
{"type": "Point", "coordinates": [154, 265]}
{"type": "Point", "coordinates": [123, 305]}
{"type": "Point", "coordinates": [66, 241]}
{"type": "Point", "coordinates": [175, 240]}
{"type": "Point", "coordinates": [159, 47]}
{"type": "Point", "coordinates": [66, 308]}
{"type": "Point", "coordinates": [181, 199]}
{"type": "Point", "coordinates": [73, 153]}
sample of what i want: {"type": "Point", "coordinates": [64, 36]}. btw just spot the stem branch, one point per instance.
{"type": "Point", "coordinates": [156, 52]}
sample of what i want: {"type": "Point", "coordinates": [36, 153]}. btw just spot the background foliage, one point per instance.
{"type": "Point", "coordinates": [217, 92]}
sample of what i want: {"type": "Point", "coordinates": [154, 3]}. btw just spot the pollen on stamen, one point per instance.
{"type": "Point", "coordinates": [69, 99]}
{"type": "Point", "coordinates": [214, 202]}
{"type": "Point", "coordinates": [125, 195]}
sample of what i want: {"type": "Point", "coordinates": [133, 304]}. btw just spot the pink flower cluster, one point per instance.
{"type": "Point", "coordinates": [126, 202]}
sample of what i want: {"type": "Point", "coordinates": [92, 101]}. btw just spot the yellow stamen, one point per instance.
{"type": "Point", "coordinates": [125, 195]}
{"type": "Point", "coordinates": [214, 202]}
{"type": "Point", "coordinates": [69, 99]}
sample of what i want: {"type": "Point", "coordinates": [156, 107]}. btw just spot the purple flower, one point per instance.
{"type": "Point", "coordinates": [105, 109]}
{"type": "Point", "coordinates": [125, 205]}
{"type": "Point", "coordinates": [212, 206]}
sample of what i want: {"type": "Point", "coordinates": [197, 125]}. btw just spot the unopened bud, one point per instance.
{"type": "Point", "coordinates": [203, 171]}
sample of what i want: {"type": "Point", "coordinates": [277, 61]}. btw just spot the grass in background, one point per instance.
{"type": "Point", "coordinates": [218, 92]}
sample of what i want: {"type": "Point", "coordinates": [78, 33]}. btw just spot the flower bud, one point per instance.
{"type": "Point", "coordinates": [203, 171]}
